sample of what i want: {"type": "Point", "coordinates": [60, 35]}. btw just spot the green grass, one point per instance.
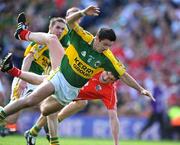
{"type": "Point", "coordinates": [19, 140]}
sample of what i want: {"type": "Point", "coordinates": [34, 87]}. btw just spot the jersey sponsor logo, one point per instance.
{"type": "Point", "coordinates": [81, 68]}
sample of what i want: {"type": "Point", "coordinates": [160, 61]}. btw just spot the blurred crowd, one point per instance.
{"type": "Point", "coordinates": [148, 44]}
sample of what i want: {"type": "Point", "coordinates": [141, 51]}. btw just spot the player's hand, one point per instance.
{"type": "Point", "coordinates": [148, 93]}
{"type": "Point", "coordinates": [106, 77]}
{"type": "Point", "coordinates": [91, 11]}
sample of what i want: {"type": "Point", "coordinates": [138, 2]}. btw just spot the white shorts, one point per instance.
{"type": "Point", "coordinates": [29, 89]}
{"type": "Point", "coordinates": [64, 92]}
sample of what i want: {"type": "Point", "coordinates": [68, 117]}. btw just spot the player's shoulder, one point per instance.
{"type": "Point", "coordinates": [81, 31]}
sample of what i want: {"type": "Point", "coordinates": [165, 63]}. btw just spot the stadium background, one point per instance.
{"type": "Point", "coordinates": [148, 44]}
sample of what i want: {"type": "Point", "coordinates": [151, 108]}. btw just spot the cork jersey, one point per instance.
{"type": "Point", "coordinates": [81, 61]}
{"type": "Point", "coordinates": [41, 63]}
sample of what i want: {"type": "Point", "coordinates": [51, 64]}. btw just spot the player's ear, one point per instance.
{"type": "Point", "coordinates": [96, 38]}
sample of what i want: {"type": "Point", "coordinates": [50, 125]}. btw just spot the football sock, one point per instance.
{"type": "Point", "coordinates": [54, 141]}
{"type": "Point", "coordinates": [2, 114]}
{"type": "Point", "coordinates": [24, 34]}
{"type": "Point", "coordinates": [35, 130]}
{"type": "Point", "coordinates": [15, 72]}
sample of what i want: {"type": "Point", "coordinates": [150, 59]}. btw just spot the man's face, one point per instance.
{"type": "Point", "coordinates": [57, 29]}
{"type": "Point", "coordinates": [102, 45]}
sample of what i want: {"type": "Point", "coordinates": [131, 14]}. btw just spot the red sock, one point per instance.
{"type": "Point", "coordinates": [15, 72]}
{"type": "Point", "coordinates": [24, 34]}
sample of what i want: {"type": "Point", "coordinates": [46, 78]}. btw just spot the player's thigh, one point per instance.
{"type": "Point", "coordinates": [44, 90]}
{"type": "Point", "coordinates": [50, 105]}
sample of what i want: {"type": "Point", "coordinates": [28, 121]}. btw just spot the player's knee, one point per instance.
{"type": "Point", "coordinates": [44, 110]}
{"type": "Point", "coordinates": [113, 115]}
{"type": "Point", "coordinates": [52, 38]}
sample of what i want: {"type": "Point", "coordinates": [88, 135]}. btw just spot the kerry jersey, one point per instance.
{"type": "Point", "coordinates": [41, 63]}
{"type": "Point", "coordinates": [81, 61]}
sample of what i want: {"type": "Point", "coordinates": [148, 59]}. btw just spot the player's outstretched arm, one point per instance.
{"type": "Point", "coordinates": [130, 81]}
{"type": "Point", "coordinates": [89, 11]}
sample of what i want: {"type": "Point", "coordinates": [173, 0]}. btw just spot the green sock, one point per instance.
{"type": "Point", "coordinates": [54, 141]}
{"type": "Point", "coordinates": [2, 114]}
{"type": "Point", "coordinates": [35, 130]}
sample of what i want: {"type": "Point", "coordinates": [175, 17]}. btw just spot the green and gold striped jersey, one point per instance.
{"type": "Point", "coordinates": [41, 63]}
{"type": "Point", "coordinates": [81, 61]}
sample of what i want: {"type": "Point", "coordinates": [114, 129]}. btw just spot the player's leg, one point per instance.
{"type": "Point", "coordinates": [51, 40]}
{"type": "Point", "coordinates": [53, 126]}
{"type": "Point", "coordinates": [52, 119]}
{"type": "Point", "coordinates": [48, 105]}
{"type": "Point", "coordinates": [71, 109]}
{"type": "Point", "coordinates": [43, 91]}
{"type": "Point", "coordinates": [114, 122]}
{"type": "Point", "coordinates": [6, 65]}
{"type": "Point", "coordinates": [109, 99]}
{"type": "Point", "coordinates": [51, 105]}
{"type": "Point", "coordinates": [32, 78]}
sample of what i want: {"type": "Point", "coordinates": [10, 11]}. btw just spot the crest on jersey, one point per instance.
{"type": "Point", "coordinates": [97, 63]}
{"type": "Point", "coordinates": [98, 88]}
{"type": "Point", "coordinates": [83, 53]}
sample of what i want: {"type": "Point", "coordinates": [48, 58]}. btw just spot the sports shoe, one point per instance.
{"type": "Point", "coordinates": [2, 121]}
{"type": "Point", "coordinates": [3, 131]}
{"type": "Point", "coordinates": [30, 140]}
{"type": "Point", "coordinates": [6, 63]}
{"type": "Point", "coordinates": [21, 19]}
{"type": "Point", "coordinates": [47, 132]}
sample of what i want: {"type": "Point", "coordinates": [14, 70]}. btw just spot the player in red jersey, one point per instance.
{"type": "Point", "coordinates": [127, 79]}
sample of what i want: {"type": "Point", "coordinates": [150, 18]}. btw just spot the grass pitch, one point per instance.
{"type": "Point", "coordinates": [19, 140]}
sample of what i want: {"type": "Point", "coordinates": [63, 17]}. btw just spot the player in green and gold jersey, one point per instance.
{"type": "Point", "coordinates": [85, 56]}
{"type": "Point", "coordinates": [36, 60]}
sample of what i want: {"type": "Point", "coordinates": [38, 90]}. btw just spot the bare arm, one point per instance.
{"type": "Point", "coordinates": [89, 11]}
{"type": "Point", "coordinates": [29, 77]}
{"type": "Point", "coordinates": [130, 81]}
{"type": "Point", "coordinates": [27, 61]}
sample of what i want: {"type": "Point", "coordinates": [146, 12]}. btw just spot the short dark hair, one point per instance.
{"type": "Point", "coordinates": [106, 33]}
{"type": "Point", "coordinates": [56, 19]}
